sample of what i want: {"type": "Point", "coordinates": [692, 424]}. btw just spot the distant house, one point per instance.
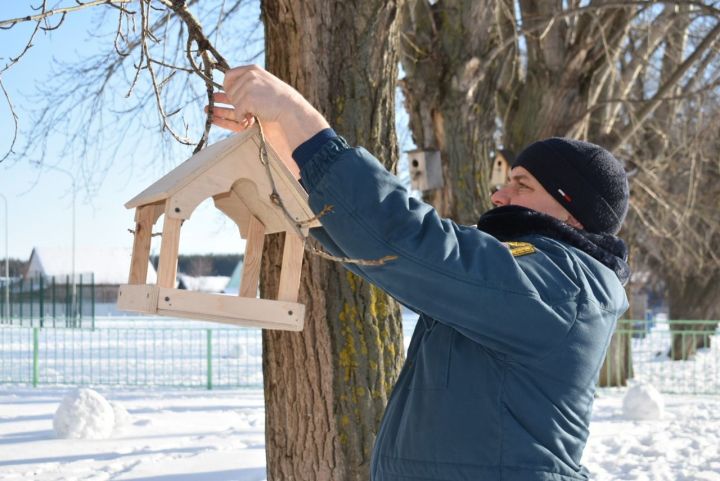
{"type": "Point", "coordinates": [214, 284]}
{"type": "Point", "coordinates": [233, 285]}
{"type": "Point", "coordinates": [106, 267]}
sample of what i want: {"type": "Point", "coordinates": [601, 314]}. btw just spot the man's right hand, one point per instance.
{"type": "Point", "coordinates": [253, 91]}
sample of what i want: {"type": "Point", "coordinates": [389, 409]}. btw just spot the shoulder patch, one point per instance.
{"type": "Point", "coordinates": [518, 249]}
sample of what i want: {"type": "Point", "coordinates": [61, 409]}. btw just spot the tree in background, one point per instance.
{"type": "Point", "coordinates": [500, 74]}
{"type": "Point", "coordinates": [326, 388]}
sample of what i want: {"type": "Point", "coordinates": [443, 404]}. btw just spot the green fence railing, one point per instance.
{"type": "Point", "coordinates": [52, 301]}
{"type": "Point", "coordinates": [675, 356]}
{"type": "Point", "coordinates": [132, 356]}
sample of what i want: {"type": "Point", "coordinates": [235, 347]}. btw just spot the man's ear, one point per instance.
{"type": "Point", "coordinates": [574, 222]}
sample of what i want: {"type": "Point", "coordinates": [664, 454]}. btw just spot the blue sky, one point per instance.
{"type": "Point", "coordinates": [40, 199]}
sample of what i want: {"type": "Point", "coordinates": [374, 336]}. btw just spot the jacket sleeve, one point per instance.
{"type": "Point", "coordinates": [458, 275]}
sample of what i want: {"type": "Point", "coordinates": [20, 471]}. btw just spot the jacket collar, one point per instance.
{"type": "Point", "coordinates": [509, 222]}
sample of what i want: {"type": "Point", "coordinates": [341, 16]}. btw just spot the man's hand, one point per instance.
{"type": "Point", "coordinates": [287, 118]}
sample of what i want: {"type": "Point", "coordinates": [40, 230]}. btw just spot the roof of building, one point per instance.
{"type": "Point", "coordinates": [233, 285]}
{"type": "Point", "coordinates": [109, 265]}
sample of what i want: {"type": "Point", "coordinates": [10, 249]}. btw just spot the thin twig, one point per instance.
{"type": "Point", "coordinates": [28, 45]}
{"type": "Point", "coordinates": [15, 121]}
{"type": "Point", "coordinates": [49, 13]}
{"type": "Point", "coordinates": [347, 260]}
{"type": "Point", "coordinates": [156, 87]}
{"type": "Point", "coordinates": [207, 65]}
{"type": "Point", "coordinates": [154, 234]}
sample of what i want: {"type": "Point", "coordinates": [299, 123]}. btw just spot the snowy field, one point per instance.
{"type": "Point", "coordinates": [175, 434]}
{"type": "Point", "coordinates": [186, 435]}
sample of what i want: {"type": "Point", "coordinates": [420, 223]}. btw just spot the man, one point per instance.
{"type": "Point", "coordinates": [515, 314]}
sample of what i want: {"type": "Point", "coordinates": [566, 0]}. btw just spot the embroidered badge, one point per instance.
{"type": "Point", "coordinates": [518, 249]}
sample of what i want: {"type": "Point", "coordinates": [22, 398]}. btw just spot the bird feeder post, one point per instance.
{"type": "Point", "coordinates": [253, 258]}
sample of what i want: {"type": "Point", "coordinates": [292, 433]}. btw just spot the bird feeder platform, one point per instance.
{"type": "Point", "coordinates": [232, 173]}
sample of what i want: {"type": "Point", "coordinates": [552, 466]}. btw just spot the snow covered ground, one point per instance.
{"type": "Point", "coordinates": [178, 435]}
{"type": "Point", "coordinates": [185, 435]}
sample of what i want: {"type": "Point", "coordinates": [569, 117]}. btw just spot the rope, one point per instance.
{"type": "Point", "coordinates": [277, 200]}
{"type": "Point", "coordinates": [299, 224]}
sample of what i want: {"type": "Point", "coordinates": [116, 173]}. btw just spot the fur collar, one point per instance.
{"type": "Point", "coordinates": [509, 222]}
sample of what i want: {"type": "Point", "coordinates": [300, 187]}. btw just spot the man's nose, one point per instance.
{"type": "Point", "coordinates": [500, 197]}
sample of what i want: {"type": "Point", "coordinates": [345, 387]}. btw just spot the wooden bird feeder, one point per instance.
{"type": "Point", "coordinates": [232, 173]}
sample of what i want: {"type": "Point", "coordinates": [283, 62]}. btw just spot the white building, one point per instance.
{"type": "Point", "coordinates": [110, 266]}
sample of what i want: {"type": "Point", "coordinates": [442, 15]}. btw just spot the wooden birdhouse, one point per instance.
{"type": "Point", "coordinates": [501, 169]}
{"type": "Point", "coordinates": [425, 169]}
{"type": "Point", "coordinates": [232, 173]}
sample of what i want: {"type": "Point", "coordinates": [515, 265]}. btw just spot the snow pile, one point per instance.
{"type": "Point", "coordinates": [84, 414]}
{"type": "Point", "coordinates": [643, 402]}
{"type": "Point", "coordinates": [122, 417]}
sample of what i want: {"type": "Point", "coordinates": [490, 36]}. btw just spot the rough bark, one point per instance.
{"type": "Point", "coordinates": [568, 58]}
{"type": "Point", "coordinates": [326, 387]}
{"type": "Point", "coordinates": [688, 299]}
{"type": "Point", "coordinates": [449, 91]}
{"type": "Point", "coordinates": [617, 367]}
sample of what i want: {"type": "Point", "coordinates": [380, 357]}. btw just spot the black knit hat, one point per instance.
{"type": "Point", "coordinates": [585, 178]}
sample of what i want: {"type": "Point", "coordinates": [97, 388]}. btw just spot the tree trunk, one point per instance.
{"type": "Point", "coordinates": [689, 300]}
{"type": "Point", "coordinates": [449, 92]}
{"type": "Point", "coordinates": [326, 387]}
{"type": "Point", "coordinates": [617, 367]}
{"type": "Point", "coordinates": [567, 58]}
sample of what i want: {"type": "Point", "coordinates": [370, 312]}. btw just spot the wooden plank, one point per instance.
{"type": "Point", "coordinates": [255, 196]}
{"type": "Point", "coordinates": [252, 259]}
{"type": "Point", "coordinates": [144, 220]}
{"type": "Point", "coordinates": [215, 169]}
{"type": "Point", "coordinates": [217, 180]}
{"type": "Point", "coordinates": [192, 168]}
{"type": "Point", "coordinates": [291, 267]}
{"type": "Point", "coordinates": [233, 206]}
{"type": "Point", "coordinates": [138, 298]}
{"type": "Point", "coordinates": [240, 311]}
{"type": "Point", "coordinates": [167, 267]}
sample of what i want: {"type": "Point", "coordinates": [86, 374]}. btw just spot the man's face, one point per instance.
{"type": "Point", "coordinates": [524, 190]}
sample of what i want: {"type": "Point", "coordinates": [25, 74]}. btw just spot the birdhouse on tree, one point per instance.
{"type": "Point", "coordinates": [261, 198]}
{"type": "Point", "coordinates": [425, 169]}
{"type": "Point", "coordinates": [501, 169]}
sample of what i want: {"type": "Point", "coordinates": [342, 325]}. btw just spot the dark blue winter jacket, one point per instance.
{"type": "Point", "coordinates": [502, 366]}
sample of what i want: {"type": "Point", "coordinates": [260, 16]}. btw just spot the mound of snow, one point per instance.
{"type": "Point", "coordinates": [122, 417]}
{"type": "Point", "coordinates": [84, 414]}
{"type": "Point", "coordinates": [643, 402]}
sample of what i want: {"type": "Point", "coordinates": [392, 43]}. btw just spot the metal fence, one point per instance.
{"type": "Point", "coordinates": [676, 356]}
{"type": "Point", "coordinates": [132, 356]}
{"type": "Point", "coordinates": [51, 301]}
{"type": "Point", "coordinates": [174, 355]}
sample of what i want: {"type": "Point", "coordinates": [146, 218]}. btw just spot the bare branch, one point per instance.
{"type": "Point", "coordinates": [15, 121]}
{"type": "Point", "coordinates": [28, 46]}
{"type": "Point", "coordinates": [671, 82]}
{"type": "Point", "coordinates": [195, 31]}
{"type": "Point", "coordinates": [209, 88]}
{"type": "Point", "coordinates": [156, 87]}
{"type": "Point", "coordinates": [49, 13]}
